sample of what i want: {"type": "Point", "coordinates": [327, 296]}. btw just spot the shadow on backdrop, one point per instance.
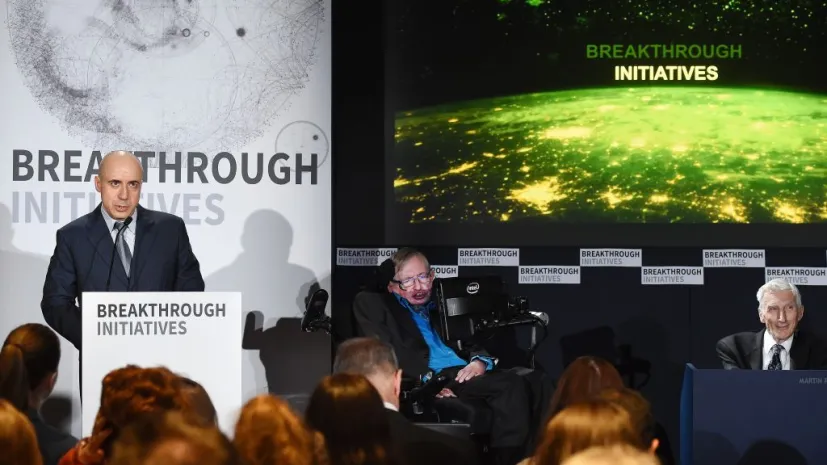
{"type": "Point", "coordinates": [602, 342]}
{"type": "Point", "coordinates": [770, 452]}
{"type": "Point", "coordinates": [21, 288]}
{"type": "Point", "coordinates": [641, 363]}
{"type": "Point", "coordinates": [650, 341]}
{"type": "Point", "coordinates": [714, 449]}
{"type": "Point", "coordinates": [279, 358]}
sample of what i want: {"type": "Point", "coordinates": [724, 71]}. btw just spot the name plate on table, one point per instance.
{"type": "Point", "coordinates": [194, 334]}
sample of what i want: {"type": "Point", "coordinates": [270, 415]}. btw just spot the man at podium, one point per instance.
{"type": "Point", "coordinates": [780, 345]}
{"type": "Point", "coordinates": [118, 247]}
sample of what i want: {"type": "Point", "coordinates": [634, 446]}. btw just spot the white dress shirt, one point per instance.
{"type": "Point", "coordinates": [128, 235]}
{"type": "Point", "coordinates": [390, 406]}
{"type": "Point", "coordinates": [769, 342]}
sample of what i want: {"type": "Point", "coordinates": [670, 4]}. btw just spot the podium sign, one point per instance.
{"type": "Point", "coordinates": [194, 334]}
{"type": "Point", "coordinates": [736, 417]}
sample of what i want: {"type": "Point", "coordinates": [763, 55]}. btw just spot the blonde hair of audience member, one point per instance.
{"type": "Point", "coordinates": [640, 412]}
{"type": "Point", "coordinates": [584, 425]}
{"type": "Point", "coordinates": [172, 439]}
{"type": "Point", "coordinates": [269, 432]}
{"type": "Point", "coordinates": [613, 455]}
{"type": "Point", "coordinates": [375, 360]}
{"type": "Point", "coordinates": [128, 394]}
{"type": "Point", "coordinates": [348, 411]}
{"type": "Point", "coordinates": [18, 443]}
{"type": "Point", "coordinates": [582, 380]}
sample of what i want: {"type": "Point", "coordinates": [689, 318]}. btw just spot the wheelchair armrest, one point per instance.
{"type": "Point", "coordinates": [426, 391]}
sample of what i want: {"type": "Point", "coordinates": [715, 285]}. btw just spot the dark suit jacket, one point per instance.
{"type": "Point", "coordinates": [161, 262]}
{"type": "Point", "coordinates": [744, 351]}
{"type": "Point", "coordinates": [381, 315]}
{"type": "Point", "coordinates": [421, 445]}
{"type": "Point", "coordinates": [52, 443]}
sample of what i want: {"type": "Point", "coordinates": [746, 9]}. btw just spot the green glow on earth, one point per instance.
{"type": "Point", "coordinates": [667, 154]}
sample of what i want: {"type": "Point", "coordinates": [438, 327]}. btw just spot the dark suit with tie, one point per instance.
{"type": "Point", "coordinates": [744, 351]}
{"type": "Point", "coordinates": [507, 394]}
{"type": "Point", "coordinates": [161, 262]}
{"type": "Point", "coordinates": [418, 444]}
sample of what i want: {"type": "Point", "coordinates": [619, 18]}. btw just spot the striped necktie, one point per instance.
{"type": "Point", "coordinates": [123, 249]}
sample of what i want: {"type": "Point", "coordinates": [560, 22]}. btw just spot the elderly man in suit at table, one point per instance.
{"type": "Point", "coordinates": [118, 247]}
{"type": "Point", "coordinates": [780, 345]}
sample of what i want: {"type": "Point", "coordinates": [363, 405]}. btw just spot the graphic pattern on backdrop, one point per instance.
{"type": "Point", "coordinates": [569, 273]}
{"type": "Point", "coordinates": [226, 104]}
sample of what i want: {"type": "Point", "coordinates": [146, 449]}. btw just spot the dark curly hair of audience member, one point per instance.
{"type": "Point", "coordinates": [582, 380]}
{"type": "Point", "coordinates": [583, 425]}
{"type": "Point", "coordinates": [171, 438]}
{"type": "Point", "coordinates": [348, 411]}
{"type": "Point", "coordinates": [30, 353]}
{"type": "Point", "coordinates": [269, 432]}
{"type": "Point", "coordinates": [199, 401]}
{"type": "Point", "coordinates": [18, 443]}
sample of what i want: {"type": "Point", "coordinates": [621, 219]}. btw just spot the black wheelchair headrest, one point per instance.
{"type": "Point", "coordinates": [381, 277]}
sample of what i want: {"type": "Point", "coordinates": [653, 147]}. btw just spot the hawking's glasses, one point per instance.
{"type": "Point", "coordinates": [423, 278]}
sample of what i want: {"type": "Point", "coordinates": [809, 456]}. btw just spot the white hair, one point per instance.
{"type": "Point", "coordinates": [612, 455]}
{"type": "Point", "coordinates": [777, 285]}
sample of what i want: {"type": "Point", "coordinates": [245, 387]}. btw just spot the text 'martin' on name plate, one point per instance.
{"type": "Point", "coordinates": [195, 334]}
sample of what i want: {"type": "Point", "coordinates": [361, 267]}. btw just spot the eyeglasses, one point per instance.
{"type": "Point", "coordinates": [423, 278]}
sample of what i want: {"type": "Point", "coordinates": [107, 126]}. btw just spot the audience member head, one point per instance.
{"type": "Point", "coordinates": [171, 438]}
{"type": "Point", "coordinates": [28, 365]}
{"type": "Point", "coordinates": [639, 410]}
{"type": "Point", "coordinates": [413, 277]}
{"type": "Point", "coordinates": [119, 182]}
{"type": "Point", "coordinates": [582, 380]}
{"type": "Point", "coordinates": [18, 442]}
{"type": "Point", "coordinates": [129, 394]}
{"type": "Point", "coordinates": [199, 402]}
{"type": "Point", "coordinates": [348, 411]}
{"type": "Point", "coordinates": [613, 455]}
{"type": "Point", "coordinates": [780, 308]}
{"type": "Point", "coordinates": [583, 425]}
{"type": "Point", "coordinates": [375, 360]}
{"type": "Point", "coordinates": [269, 432]}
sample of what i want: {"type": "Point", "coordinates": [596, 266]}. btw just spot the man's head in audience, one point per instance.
{"type": "Point", "coordinates": [613, 455]}
{"type": "Point", "coordinates": [171, 439]}
{"type": "Point", "coordinates": [780, 308]}
{"type": "Point", "coordinates": [376, 361]}
{"type": "Point", "coordinates": [412, 276]}
{"type": "Point", "coordinates": [639, 410]}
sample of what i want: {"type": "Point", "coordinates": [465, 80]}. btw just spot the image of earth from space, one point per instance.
{"type": "Point", "coordinates": [637, 155]}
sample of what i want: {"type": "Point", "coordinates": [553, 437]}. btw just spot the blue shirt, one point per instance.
{"type": "Point", "coordinates": [441, 356]}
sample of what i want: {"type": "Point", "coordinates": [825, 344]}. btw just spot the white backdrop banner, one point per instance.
{"type": "Point", "coordinates": [227, 105]}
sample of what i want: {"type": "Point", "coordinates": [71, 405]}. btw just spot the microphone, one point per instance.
{"type": "Point", "coordinates": [314, 315]}
{"type": "Point", "coordinates": [126, 224]}
{"type": "Point", "coordinates": [542, 316]}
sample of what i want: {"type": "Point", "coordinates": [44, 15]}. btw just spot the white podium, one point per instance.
{"type": "Point", "coordinates": [195, 334]}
